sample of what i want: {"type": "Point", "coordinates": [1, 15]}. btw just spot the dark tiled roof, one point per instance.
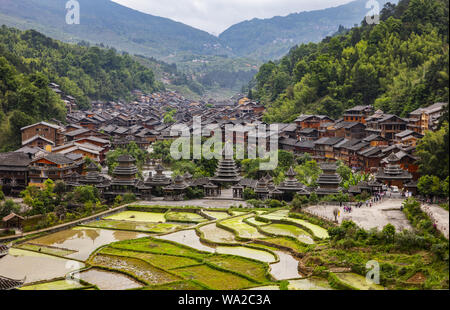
{"type": "Point", "coordinates": [56, 158]}
{"type": "Point", "coordinates": [76, 132]}
{"type": "Point", "coordinates": [15, 159]}
{"type": "Point", "coordinates": [10, 284]}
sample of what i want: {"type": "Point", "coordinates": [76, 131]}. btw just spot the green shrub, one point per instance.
{"type": "Point", "coordinates": [249, 194]}
{"type": "Point", "coordinates": [313, 198]}
{"type": "Point", "coordinates": [194, 193]}
{"type": "Point", "coordinates": [129, 198]}
{"type": "Point", "coordinates": [257, 203]}
{"type": "Point", "coordinates": [273, 203]}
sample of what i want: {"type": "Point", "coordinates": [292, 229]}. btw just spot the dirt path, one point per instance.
{"type": "Point", "coordinates": [379, 215]}
{"type": "Point", "coordinates": [439, 217]}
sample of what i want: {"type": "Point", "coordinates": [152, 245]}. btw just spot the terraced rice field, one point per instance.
{"type": "Point", "coordinates": [158, 246]}
{"type": "Point", "coordinates": [162, 261]}
{"type": "Point", "coordinates": [214, 279]}
{"type": "Point", "coordinates": [143, 270]}
{"type": "Point", "coordinates": [187, 217]}
{"type": "Point", "coordinates": [255, 222]}
{"type": "Point", "coordinates": [137, 216]}
{"type": "Point", "coordinates": [358, 281]}
{"type": "Point", "coordinates": [177, 286]}
{"type": "Point", "coordinates": [313, 283]}
{"type": "Point", "coordinates": [130, 258]}
{"type": "Point", "coordinates": [243, 230]}
{"type": "Point", "coordinates": [85, 240]}
{"type": "Point", "coordinates": [240, 212]}
{"type": "Point", "coordinates": [260, 255]}
{"type": "Point", "coordinates": [108, 280]}
{"type": "Point", "coordinates": [36, 267]}
{"type": "Point", "coordinates": [288, 230]}
{"type": "Point", "coordinates": [189, 238]}
{"type": "Point", "coordinates": [217, 215]}
{"type": "Point", "coordinates": [241, 265]}
{"type": "Point", "coordinates": [286, 242]}
{"type": "Point", "coordinates": [156, 228]}
{"type": "Point", "coordinates": [286, 268]}
{"type": "Point", "coordinates": [60, 285]}
{"type": "Point", "coordinates": [265, 288]}
{"type": "Point", "coordinates": [217, 234]}
{"type": "Point", "coordinates": [318, 231]}
{"type": "Point", "coordinates": [191, 264]}
{"type": "Point", "coordinates": [45, 249]}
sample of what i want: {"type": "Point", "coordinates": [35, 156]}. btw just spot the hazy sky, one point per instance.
{"type": "Point", "coordinates": [215, 16]}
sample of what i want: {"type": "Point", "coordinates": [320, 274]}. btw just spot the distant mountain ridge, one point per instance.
{"type": "Point", "coordinates": [267, 39]}
{"type": "Point", "coordinates": [104, 21]}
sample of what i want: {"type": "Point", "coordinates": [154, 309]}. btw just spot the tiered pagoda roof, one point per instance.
{"type": "Point", "coordinates": [92, 177]}
{"type": "Point", "coordinates": [270, 183]}
{"type": "Point", "coordinates": [159, 179]}
{"type": "Point", "coordinates": [178, 184]}
{"type": "Point", "coordinates": [187, 176]}
{"type": "Point", "coordinates": [226, 172]}
{"type": "Point", "coordinates": [329, 180]}
{"type": "Point", "coordinates": [291, 184]}
{"type": "Point", "coordinates": [125, 172]}
{"type": "Point", "coordinates": [262, 187]}
{"type": "Point", "coordinates": [393, 171]}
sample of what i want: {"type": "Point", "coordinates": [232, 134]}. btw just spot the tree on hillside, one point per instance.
{"type": "Point", "coordinates": [433, 152]}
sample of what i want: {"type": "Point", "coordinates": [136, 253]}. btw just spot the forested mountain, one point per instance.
{"type": "Point", "coordinates": [245, 44]}
{"type": "Point", "coordinates": [269, 39]}
{"type": "Point", "coordinates": [29, 61]}
{"type": "Point", "coordinates": [399, 65]}
{"type": "Point", "coordinates": [104, 21]}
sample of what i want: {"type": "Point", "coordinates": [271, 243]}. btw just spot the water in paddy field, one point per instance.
{"type": "Point", "coordinates": [308, 284]}
{"type": "Point", "coordinates": [108, 280]}
{"type": "Point", "coordinates": [19, 264]}
{"type": "Point", "coordinates": [216, 234]}
{"type": "Point", "coordinates": [286, 268]}
{"type": "Point", "coordinates": [137, 216]}
{"type": "Point", "coordinates": [188, 238]}
{"type": "Point", "coordinates": [265, 288]}
{"type": "Point", "coordinates": [217, 215]}
{"type": "Point", "coordinates": [85, 240]}
{"type": "Point", "coordinates": [260, 255]}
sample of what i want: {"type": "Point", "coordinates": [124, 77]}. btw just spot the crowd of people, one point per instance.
{"type": "Point", "coordinates": [377, 198]}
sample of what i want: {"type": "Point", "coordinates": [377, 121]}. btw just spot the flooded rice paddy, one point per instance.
{"type": "Point", "coordinates": [141, 269]}
{"type": "Point", "coordinates": [265, 288]}
{"type": "Point", "coordinates": [108, 280]}
{"type": "Point", "coordinates": [85, 240]}
{"type": "Point", "coordinates": [260, 255]}
{"type": "Point", "coordinates": [188, 217]}
{"type": "Point", "coordinates": [216, 234]}
{"type": "Point", "coordinates": [136, 226]}
{"type": "Point", "coordinates": [136, 216]}
{"type": "Point", "coordinates": [217, 214]}
{"type": "Point", "coordinates": [357, 281]}
{"type": "Point", "coordinates": [288, 230]}
{"type": "Point", "coordinates": [59, 285]}
{"type": "Point", "coordinates": [189, 238]}
{"type": "Point", "coordinates": [243, 230]}
{"type": "Point", "coordinates": [318, 231]}
{"type": "Point", "coordinates": [286, 268]}
{"type": "Point", "coordinates": [36, 267]}
{"type": "Point", "coordinates": [143, 262]}
{"type": "Point", "coordinates": [313, 283]}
